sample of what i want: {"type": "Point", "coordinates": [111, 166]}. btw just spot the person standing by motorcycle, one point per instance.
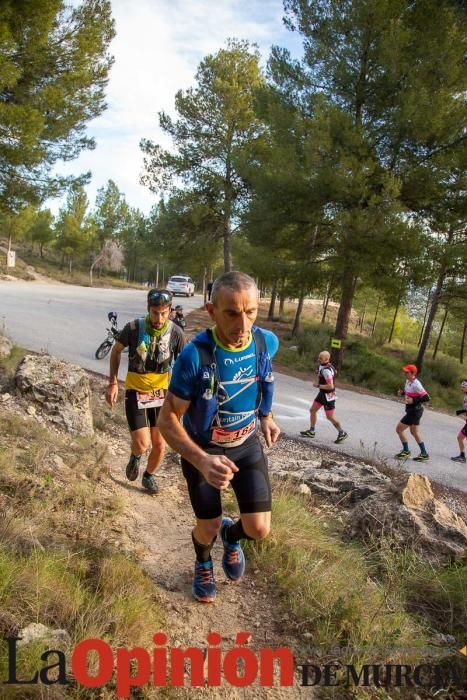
{"type": "Point", "coordinates": [154, 342]}
{"type": "Point", "coordinates": [178, 317]}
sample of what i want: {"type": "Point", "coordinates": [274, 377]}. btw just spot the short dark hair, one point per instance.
{"type": "Point", "coordinates": [235, 281]}
{"type": "Point", "coordinates": [159, 297]}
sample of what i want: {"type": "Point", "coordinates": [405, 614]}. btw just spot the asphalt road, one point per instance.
{"type": "Point", "coordinates": [70, 322]}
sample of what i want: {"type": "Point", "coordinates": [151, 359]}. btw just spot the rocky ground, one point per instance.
{"type": "Point", "coordinates": [158, 528]}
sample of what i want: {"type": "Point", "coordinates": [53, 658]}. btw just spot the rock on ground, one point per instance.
{"type": "Point", "coordinates": [37, 631]}
{"type": "Point", "coordinates": [58, 390]}
{"type": "Point", "coordinates": [408, 512]}
{"type": "Point", "coordinates": [5, 346]}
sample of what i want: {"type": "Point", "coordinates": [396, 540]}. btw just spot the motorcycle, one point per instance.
{"type": "Point", "coordinates": [112, 333]}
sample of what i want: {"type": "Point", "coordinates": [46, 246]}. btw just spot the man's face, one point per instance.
{"type": "Point", "coordinates": [234, 314]}
{"type": "Point", "coordinates": [158, 315]}
{"type": "Point", "coordinates": [410, 376]}
{"type": "Point", "coordinates": [323, 358]}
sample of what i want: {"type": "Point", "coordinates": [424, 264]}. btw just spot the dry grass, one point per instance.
{"type": "Point", "coordinates": [58, 563]}
{"type": "Point", "coordinates": [331, 588]}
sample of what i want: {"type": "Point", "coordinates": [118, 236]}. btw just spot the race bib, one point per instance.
{"type": "Point", "coordinates": [331, 396]}
{"type": "Point", "coordinates": [150, 399]}
{"type": "Point", "coordinates": [233, 438]}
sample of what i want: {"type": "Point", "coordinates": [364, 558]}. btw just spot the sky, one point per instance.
{"type": "Point", "coordinates": [157, 49]}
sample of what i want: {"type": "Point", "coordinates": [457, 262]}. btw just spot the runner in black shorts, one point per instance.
{"type": "Point", "coordinates": [221, 384]}
{"type": "Point", "coordinates": [326, 398]}
{"type": "Point", "coordinates": [462, 435]}
{"type": "Point", "coordinates": [415, 397]}
{"type": "Point", "coordinates": [153, 343]}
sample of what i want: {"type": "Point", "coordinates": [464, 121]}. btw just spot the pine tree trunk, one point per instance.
{"type": "Point", "coordinates": [227, 251]}
{"type": "Point", "coordinates": [343, 315]}
{"type": "Point", "coordinates": [438, 339]}
{"type": "Point", "coordinates": [282, 304]}
{"type": "Point", "coordinates": [376, 316]}
{"type": "Point", "coordinates": [462, 348]}
{"type": "Point", "coordinates": [296, 323]}
{"type": "Point", "coordinates": [362, 317]}
{"type": "Point", "coordinates": [424, 318]}
{"type": "Point", "coordinates": [430, 319]}
{"type": "Point", "coordinates": [272, 303]}
{"type": "Point", "coordinates": [393, 325]}
{"type": "Point", "coordinates": [327, 296]}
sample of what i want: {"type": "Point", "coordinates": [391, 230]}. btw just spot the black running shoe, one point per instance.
{"type": "Point", "coordinates": [132, 468]}
{"type": "Point", "coordinates": [150, 484]}
{"type": "Point", "coordinates": [308, 433]}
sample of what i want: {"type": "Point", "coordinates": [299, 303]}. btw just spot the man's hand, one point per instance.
{"type": "Point", "coordinates": [270, 430]}
{"type": "Point", "coordinates": [218, 470]}
{"type": "Point", "coordinates": [111, 395]}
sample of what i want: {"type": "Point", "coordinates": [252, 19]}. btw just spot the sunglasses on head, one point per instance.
{"type": "Point", "coordinates": [157, 297]}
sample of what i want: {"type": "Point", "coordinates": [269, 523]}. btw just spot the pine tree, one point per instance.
{"type": "Point", "coordinates": [54, 66]}
{"type": "Point", "coordinates": [216, 119]}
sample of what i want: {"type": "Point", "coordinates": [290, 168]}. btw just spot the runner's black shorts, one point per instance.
{"type": "Point", "coordinates": [413, 417]}
{"type": "Point", "coordinates": [321, 399]}
{"type": "Point", "coordinates": [139, 417]}
{"type": "Point", "coordinates": [250, 484]}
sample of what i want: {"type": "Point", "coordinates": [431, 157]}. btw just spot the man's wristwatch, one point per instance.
{"type": "Point", "coordinates": [266, 415]}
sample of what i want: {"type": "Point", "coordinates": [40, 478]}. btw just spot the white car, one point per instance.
{"type": "Point", "coordinates": [181, 284]}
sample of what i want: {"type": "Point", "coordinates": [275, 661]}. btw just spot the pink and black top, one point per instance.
{"type": "Point", "coordinates": [414, 389]}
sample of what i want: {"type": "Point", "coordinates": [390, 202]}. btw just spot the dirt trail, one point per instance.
{"type": "Point", "coordinates": [160, 528]}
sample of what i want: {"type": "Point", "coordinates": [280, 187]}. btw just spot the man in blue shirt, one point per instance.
{"type": "Point", "coordinates": [222, 384]}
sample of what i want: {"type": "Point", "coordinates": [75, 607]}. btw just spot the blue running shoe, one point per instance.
{"type": "Point", "coordinates": [204, 585]}
{"type": "Point", "coordinates": [233, 561]}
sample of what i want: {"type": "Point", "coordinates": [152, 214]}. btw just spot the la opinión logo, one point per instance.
{"type": "Point", "coordinates": [164, 666]}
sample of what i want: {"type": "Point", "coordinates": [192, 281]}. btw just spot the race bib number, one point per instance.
{"type": "Point", "coordinates": [233, 438]}
{"type": "Point", "coordinates": [331, 396]}
{"type": "Point", "coordinates": [150, 399]}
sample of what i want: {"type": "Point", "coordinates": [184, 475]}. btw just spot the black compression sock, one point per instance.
{"type": "Point", "coordinates": [203, 551]}
{"type": "Point", "coordinates": [235, 532]}
{"type": "Point", "coordinates": [147, 474]}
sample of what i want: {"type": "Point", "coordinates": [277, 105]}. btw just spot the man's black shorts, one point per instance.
{"type": "Point", "coordinates": [322, 400]}
{"type": "Point", "coordinates": [250, 484]}
{"type": "Point", "coordinates": [412, 417]}
{"type": "Point", "coordinates": [139, 417]}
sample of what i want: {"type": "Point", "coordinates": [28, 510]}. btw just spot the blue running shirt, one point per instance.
{"type": "Point", "coordinates": [237, 392]}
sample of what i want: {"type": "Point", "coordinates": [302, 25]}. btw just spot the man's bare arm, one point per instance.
{"type": "Point", "coordinates": [112, 388]}
{"type": "Point", "coordinates": [173, 431]}
{"type": "Point", "coordinates": [115, 357]}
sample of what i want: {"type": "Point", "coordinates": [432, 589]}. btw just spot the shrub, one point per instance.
{"type": "Point", "coordinates": [443, 370]}
{"type": "Point", "coordinates": [314, 339]}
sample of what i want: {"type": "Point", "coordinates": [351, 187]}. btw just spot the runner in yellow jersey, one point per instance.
{"type": "Point", "coordinates": [153, 342]}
